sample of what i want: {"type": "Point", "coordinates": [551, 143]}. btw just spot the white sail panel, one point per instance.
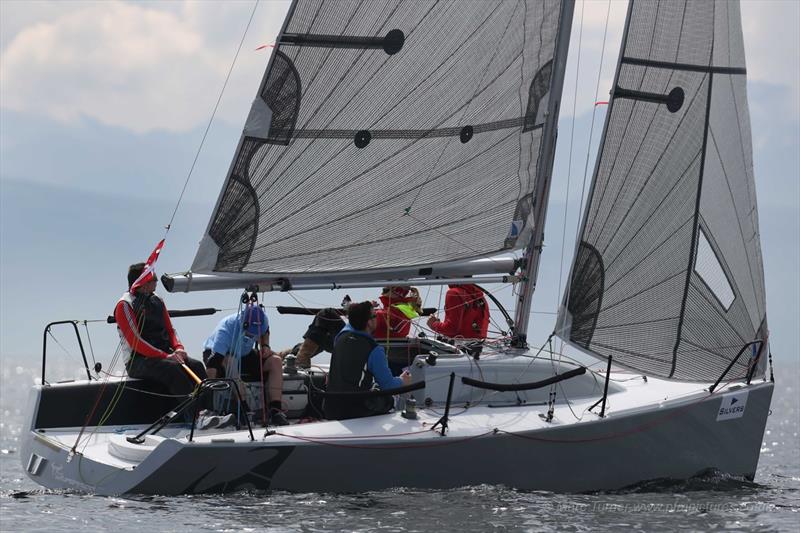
{"type": "Point", "coordinates": [402, 133]}
{"type": "Point", "coordinates": [668, 279]}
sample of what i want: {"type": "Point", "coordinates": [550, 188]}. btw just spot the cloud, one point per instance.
{"type": "Point", "coordinates": [160, 65]}
{"type": "Point", "coordinates": [140, 67]}
{"type": "Point", "coordinates": [772, 47]}
{"type": "Point", "coordinates": [588, 39]}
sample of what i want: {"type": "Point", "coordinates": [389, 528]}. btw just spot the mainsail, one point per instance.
{"type": "Point", "coordinates": [387, 134]}
{"type": "Point", "coordinates": [667, 277]}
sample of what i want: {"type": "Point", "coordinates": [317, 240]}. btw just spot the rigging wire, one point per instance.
{"type": "Point", "coordinates": [63, 349]}
{"type": "Point", "coordinates": [588, 150]}
{"type": "Point", "coordinates": [571, 143]}
{"type": "Point", "coordinates": [210, 120]}
{"type": "Point", "coordinates": [594, 112]}
{"type": "Point", "coordinates": [89, 338]}
{"type": "Point", "coordinates": [451, 238]}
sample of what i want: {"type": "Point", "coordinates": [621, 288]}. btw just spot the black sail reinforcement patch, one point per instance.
{"type": "Point", "coordinates": [281, 92]}
{"type": "Point", "coordinates": [586, 294]}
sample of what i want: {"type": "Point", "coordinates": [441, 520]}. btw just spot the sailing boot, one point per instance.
{"type": "Point", "coordinates": [307, 350]}
{"type": "Point", "coordinates": [277, 418]}
{"type": "Point", "coordinates": [276, 415]}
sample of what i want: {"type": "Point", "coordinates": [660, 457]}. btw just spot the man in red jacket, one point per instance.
{"type": "Point", "coordinates": [153, 350]}
{"type": "Point", "coordinates": [466, 314]}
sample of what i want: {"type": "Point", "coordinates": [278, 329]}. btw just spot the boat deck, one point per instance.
{"type": "Point", "coordinates": [392, 429]}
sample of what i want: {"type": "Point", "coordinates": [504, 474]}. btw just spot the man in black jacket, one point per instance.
{"type": "Point", "coordinates": [357, 363]}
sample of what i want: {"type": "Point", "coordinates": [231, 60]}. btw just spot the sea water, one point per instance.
{"type": "Point", "coordinates": [770, 503]}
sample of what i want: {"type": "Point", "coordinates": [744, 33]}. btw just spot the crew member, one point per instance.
{"type": "Point", "coordinates": [357, 364]}
{"type": "Point", "coordinates": [152, 348]}
{"type": "Point", "coordinates": [466, 314]}
{"type": "Point", "coordinates": [233, 341]}
{"type": "Point", "coordinates": [400, 306]}
{"type": "Point", "coordinates": [319, 336]}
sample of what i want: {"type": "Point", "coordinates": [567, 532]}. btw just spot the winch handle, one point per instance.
{"type": "Point", "coordinates": [191, 374]}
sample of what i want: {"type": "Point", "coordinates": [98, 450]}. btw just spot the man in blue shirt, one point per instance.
{"type": "Point", "coordinates": [243, 339]}
{"type": "Point", "coordinates": [357, 364]}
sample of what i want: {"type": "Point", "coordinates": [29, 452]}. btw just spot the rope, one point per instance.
{"type": "Point", "coordinates": [643, 427]}
{"type": "Point", "coordinates": [588, 151]}
{"type": "Point", "coordinates": [117, 393]}
{"type": "Point", "coordinates": [571, 142]}
{"type": "Point", "coordinates": [89, 338]}
{"type": "Point", "coordinates": [66, 352]}
{"type": "Point", "coordinates": [436, 443]}
{"type": "Point", "coordinates": [451, 238]}
{"type": "Point", "coordinates": [259, 347]}
{"type": "Point", "coordinates": [210, 120]}
{"type": "Point", "coordinates": [161, 395]}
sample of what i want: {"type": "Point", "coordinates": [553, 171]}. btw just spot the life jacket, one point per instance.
{"type": "Point", "coordinates": [475, 321]}
{"type": "Point", "coordinates": [149, 313]}
{"type": "Point", "coordinates": [349, 373]}
{"type": "Point", "coordinates": [394, 320]}
{"type": "Point", "coordinates": [348, 369]}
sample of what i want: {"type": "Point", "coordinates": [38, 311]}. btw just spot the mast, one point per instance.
{"type": "Point", "coordinates": [544, 171]}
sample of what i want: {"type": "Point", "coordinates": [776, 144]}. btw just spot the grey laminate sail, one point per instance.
{"type": "Point", "coordinates": [668, 277]}
{"type": "Point", "coordinates": [388, 134]}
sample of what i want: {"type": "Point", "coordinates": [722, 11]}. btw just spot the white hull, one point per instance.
{"type": "Point", "coordinates": [652, 429]}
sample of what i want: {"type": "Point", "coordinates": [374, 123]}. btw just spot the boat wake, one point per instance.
{"type": "Point", "coordinates": [708, 480]}
{"type": "Point", "coordinates": [21, 494]}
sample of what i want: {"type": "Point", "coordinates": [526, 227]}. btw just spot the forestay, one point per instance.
{"type": "Point", "coordinates": [387, 134]}
{"type": "Point", "coordinates": [668, 277]}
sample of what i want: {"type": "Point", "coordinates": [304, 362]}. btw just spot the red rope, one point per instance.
{"type": "Point", "coordinates": [437, 443]}
{"type": "Point", "coordinates": [632, 431]}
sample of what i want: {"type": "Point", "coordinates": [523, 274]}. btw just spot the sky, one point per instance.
{"type": "Point", "coordinates": [103, 106]}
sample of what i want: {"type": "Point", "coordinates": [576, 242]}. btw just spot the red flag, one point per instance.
{"type": "Point", "coordinates": [148, 273]}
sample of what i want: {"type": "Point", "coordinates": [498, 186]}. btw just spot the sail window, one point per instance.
{"type": "Point", "coordinates": [710, 270]}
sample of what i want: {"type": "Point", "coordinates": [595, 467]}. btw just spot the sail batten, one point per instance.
{"type": "Point", "coordinates": [668, 279]}
{"type": "Point", "coordinates": [400, 133]}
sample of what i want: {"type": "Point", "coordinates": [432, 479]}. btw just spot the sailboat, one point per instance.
{"type": "Point", "coordinates": [412, 143]}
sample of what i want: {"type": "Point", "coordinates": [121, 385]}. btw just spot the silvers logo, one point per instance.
{"type": "Point", "coordinates": [732, 405]}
